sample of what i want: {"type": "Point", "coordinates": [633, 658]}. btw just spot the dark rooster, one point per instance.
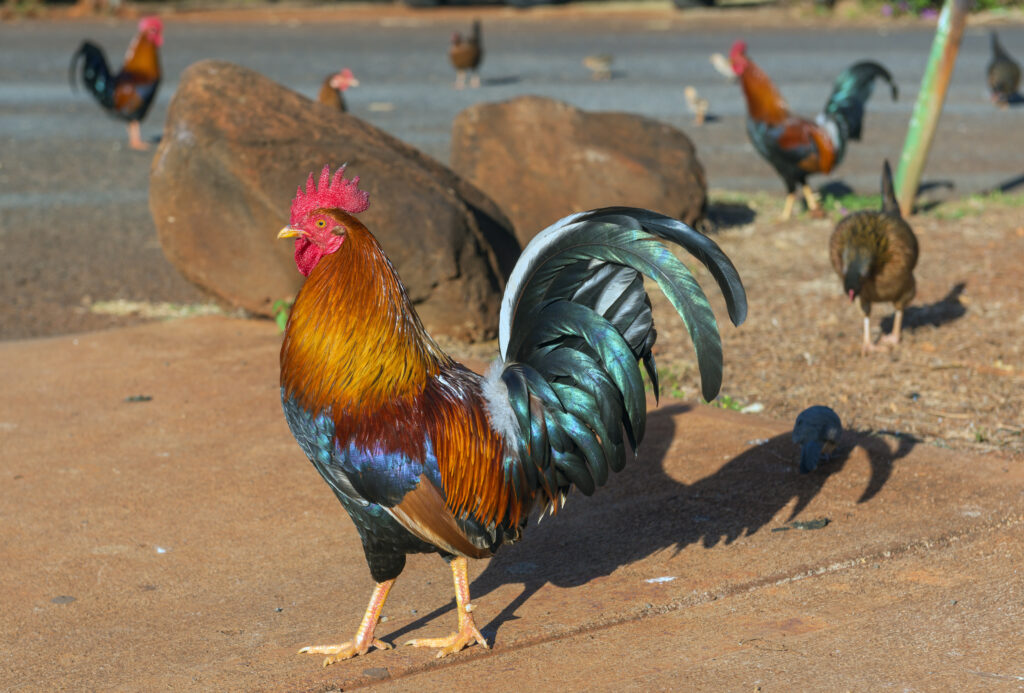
{"type": "Point", "coordinates": [466, 54]}
{"type": "Point", "coordinates": [332, 91]}
{"type": "Point", "coordinates": [129, 93]}
{"type": "Point", "coordinates": [797, 147]}
{"type": "Point", "coordinates": [816, 431]}
{"type": "Point", "coordinates": [874, 254]}
{"type": "Point", "coordinates": [1003, 74]}
{"type": "Point", "coordinates": [428, 456]}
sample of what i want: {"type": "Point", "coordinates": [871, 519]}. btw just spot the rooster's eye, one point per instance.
{"type": "Point", "coordinates": [320, 223]}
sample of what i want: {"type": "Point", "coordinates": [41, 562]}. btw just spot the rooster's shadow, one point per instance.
{"type": "Point", "coordinates": [642, 510]}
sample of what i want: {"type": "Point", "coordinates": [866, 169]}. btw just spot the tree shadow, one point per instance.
{"type": "Point", "coordinates": [945, 310]}
{"type": "Point", "coordinates": [643, 511]}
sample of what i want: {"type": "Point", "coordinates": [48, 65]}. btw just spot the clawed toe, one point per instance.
{"type": "Point", "coordinates": [455, 642]}
{"type": "Point", "coordinates": [348, 650]}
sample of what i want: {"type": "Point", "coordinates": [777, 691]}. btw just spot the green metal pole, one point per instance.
{"type": "Point", "coordinates": [945, 47]}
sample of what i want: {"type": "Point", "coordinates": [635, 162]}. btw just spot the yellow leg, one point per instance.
{"type": "Point", "coordinates": [812, 199]}
{"type": "Point", "coordinates": [787, 210]}
{"type": "Point", "coordinates": [460, 79]}
{"type": "Point", "coordinates": [468, 632]}
{"type": "Point", "coordinates": [135, 137]}
{"type": "Point", "coordinates": [364, 639]}
{"type": "Point", "coordinates": [474, 81]}
{"type": "Point", "coordinates": [867, 346]}
{"type": "Point", "coordinates": [893, 338]}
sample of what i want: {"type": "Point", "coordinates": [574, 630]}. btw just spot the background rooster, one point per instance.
{"type": "Point", "coordinates": [874, 254]}
{"type": "Point", "coordinates": [332, 91]}
{"type": "Point", "coordinates": [466, 54]}
{"type": "Point", "coordinates": [428, 456]}
{"type": "Point", "coordinates": [1003, 74]}
{"type": "Point", "coordinates": [129, 93]}
{"type": "Point", "coordinates": [797, 147]}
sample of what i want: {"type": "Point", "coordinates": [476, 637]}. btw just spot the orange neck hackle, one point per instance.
{"type": "Point", "coordinates": [764, 101]}
{"type": "Point", "coordinates": [354, 341]}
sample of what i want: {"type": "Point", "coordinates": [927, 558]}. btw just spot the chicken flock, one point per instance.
{"type": "Point", "coordinates": [427, 456]}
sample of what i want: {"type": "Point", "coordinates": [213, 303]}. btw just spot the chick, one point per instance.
{"type": "Point", "coordinates": [697, 105]}
{"type": "Point", "coordinates": [600, 66]}
{"type": "Point", "coordinates": [874, 254]}
{"type": "Point", "coordinates": [816, 431]}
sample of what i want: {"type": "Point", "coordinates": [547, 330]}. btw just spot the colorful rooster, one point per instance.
{"type": "Point", "coordinates": [428, 456]}
{"type": "Point", "coordinates": [797, 147]}
{"type": "Point", "coordinates": [129, 93]}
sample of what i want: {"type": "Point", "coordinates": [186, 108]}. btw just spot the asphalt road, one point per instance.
{"type": "Point", "coordinates": [74, 220]}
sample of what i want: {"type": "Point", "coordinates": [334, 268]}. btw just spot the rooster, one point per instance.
{"type": "Point", "coordinates": [466, 54]}
{"type": "Point", "coordinates": [332, 91]}
{"type": "Point", "coordinates": [129, 93]}
{"type": "Point", "coordinates": [1003, 74]}
{"type": "Point", "coordinates": [874, 254]}
{"type": "Point", "coordinates": [428, 456]}
{"type": "Point", "coordinates": [797, 147]}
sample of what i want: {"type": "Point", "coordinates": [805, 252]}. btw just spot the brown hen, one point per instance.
{"type": "Point", "coordinates": [466, 54]}
{"type": "Point", "coordinates": [874, 254]}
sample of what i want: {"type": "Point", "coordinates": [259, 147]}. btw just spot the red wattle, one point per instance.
{"type": "Point", "coordinates": [307, 254]}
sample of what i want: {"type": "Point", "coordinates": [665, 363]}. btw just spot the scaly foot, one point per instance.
{"type": "Point", "coordinates": [888, 341]}
{"type": "Point", "coordinates": [467, 635]}
{"type": "Point", "coordinates": [337, 653]}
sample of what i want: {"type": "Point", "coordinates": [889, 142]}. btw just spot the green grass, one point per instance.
{"type": "Point", "coordinates": [726, 402]}
{"type": "Point", "coordinates": [850, 202]}
{"type": "Point", "coordinates": [281, 308]}
{"type": "Point", "coordinates": [975, 204]}
{"type": "Point", "coordinates": [670, 382]}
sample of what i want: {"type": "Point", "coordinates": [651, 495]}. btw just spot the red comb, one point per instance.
{"type": "Point", "coordinates": [329, 193]}
{"type": "Point", "coordinates": [738, 48]}
{"type": "Point", "coordinates": [148, 23]}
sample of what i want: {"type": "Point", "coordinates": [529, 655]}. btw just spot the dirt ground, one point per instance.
{"type": "Point", "coordinates": [163, 531]}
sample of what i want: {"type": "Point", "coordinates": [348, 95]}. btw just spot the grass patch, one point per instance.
{"type": "Point", "coordinates": [976, 204]}
{"type": "Point", "coordinates": [850, 202]}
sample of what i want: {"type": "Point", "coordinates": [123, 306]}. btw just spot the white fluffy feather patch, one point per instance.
{"type": "Point", "coordinates": [499, 411]}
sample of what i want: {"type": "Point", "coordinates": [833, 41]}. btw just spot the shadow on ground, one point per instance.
{"type": "Point", "coordinates": [643, 510]}
{"type": "Point", "coordinates": [723, 215]}
{"type": "Point", "coordinates": [942, 312]}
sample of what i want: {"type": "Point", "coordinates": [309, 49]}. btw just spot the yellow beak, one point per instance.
{"type": "Point", "coordinates": [289, 232]}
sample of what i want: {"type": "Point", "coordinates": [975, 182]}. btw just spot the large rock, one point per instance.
{"type": "Point", "coordinates": [541, 159]}
{"type": "Point", "coordinates": [236, 146]}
